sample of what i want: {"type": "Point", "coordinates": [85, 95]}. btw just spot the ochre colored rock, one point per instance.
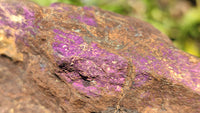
{"type": "Point", "coordinates": [65, 58]}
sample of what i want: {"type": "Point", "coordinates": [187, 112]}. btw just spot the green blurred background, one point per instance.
{"type": "Point", "coordinates": [179, 19]}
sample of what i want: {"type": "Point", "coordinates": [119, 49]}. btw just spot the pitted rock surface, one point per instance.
{"type": "Point", "coordinates": [65, 58]}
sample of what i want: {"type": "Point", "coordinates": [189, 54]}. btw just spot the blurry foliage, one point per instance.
{"type": "Point", "coordinates": [179, 19]}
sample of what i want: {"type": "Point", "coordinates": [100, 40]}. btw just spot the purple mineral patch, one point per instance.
{"type": "Point", "coordinates": [141, 79]}
{"type": "Point", "coordinates": [89, 20]}
{"type": "Point", "coordinates": [180, 71]}
{"type": "Point", "coordinates": [87, 8]}
{"type": "Point", "coordinates": [89, 68]}
{"type": "Point", "coordinates": [21, 19]}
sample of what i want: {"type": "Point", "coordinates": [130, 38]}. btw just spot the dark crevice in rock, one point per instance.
{"type": "Point", "coordinates": [84, 78]}
{"type": "Point", "coordinates": [57, 77]}
{"type": "Point", "coordinates": [5, 56]}
{"type": "Point", "coordinates": [66, 66]}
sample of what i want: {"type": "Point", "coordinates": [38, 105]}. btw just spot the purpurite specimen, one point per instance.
{"type": "Point", "coordinates": [105, 61]}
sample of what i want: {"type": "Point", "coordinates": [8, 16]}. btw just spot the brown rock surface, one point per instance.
{"type": "Point", "coordinates": [72, 59]}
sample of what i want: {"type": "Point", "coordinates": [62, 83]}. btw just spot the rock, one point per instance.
{"type": "Point", "coordinates": [65, 58]}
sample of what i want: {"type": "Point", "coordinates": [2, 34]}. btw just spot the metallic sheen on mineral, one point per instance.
{"type": "Point", "coordinates": [105, 62]}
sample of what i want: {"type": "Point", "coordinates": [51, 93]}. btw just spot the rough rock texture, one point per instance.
{"type": "Point", "coordinates": [72, 59]}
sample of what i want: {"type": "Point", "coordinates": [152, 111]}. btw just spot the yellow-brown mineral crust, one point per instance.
{"type": "Point", "coordinates": [69, 59]}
